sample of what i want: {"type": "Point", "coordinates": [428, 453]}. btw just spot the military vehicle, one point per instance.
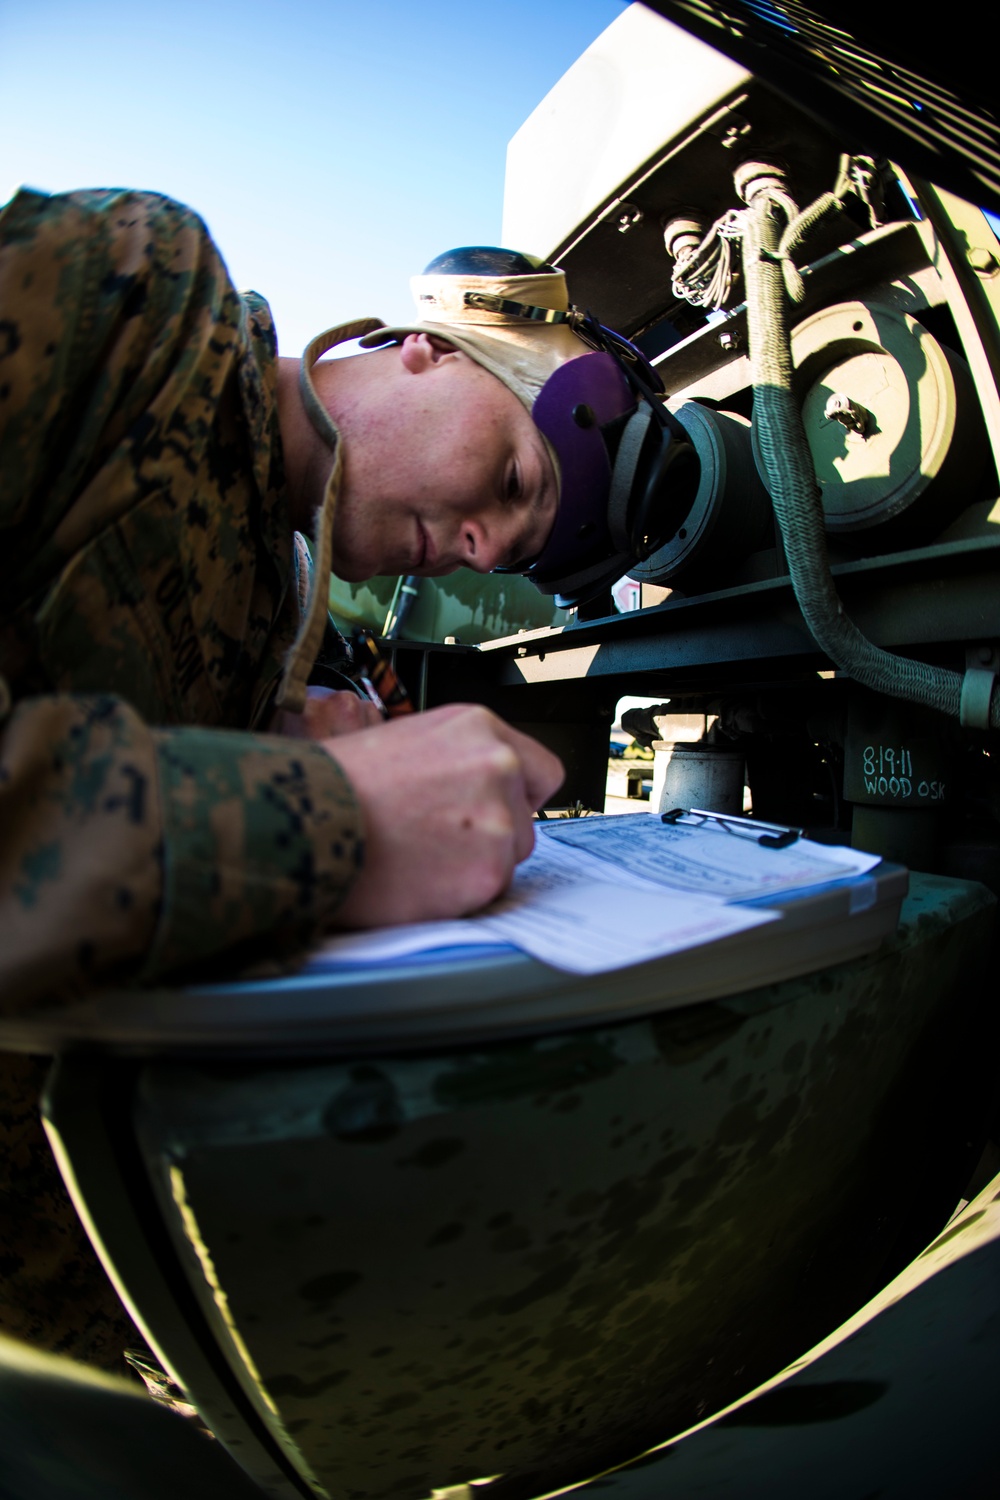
{"type": "Point", "coordinates": [626, 1236]}
{"type": "Point", "coordinates": [463, 607]}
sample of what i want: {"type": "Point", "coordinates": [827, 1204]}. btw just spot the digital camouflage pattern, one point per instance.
{"type": "Point", "coordinates": [533, 1256]}
{"type": "Point", "coordinates": [149, 601]}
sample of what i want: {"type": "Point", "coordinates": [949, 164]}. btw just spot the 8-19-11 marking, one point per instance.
{"type": "Point", "coordinates": [888, 772]}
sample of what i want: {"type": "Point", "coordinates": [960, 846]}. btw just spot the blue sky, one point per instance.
{"type": "Point", "coordinates": [333, 148]}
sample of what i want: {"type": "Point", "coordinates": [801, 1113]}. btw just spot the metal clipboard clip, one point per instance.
{"type": "Point", "coordinates": [774, 836]}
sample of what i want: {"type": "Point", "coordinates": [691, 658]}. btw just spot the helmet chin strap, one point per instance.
{"type": "Point", "coordinates": [343, 333]}
{"type": "Point", "coordinates": [299, 661]}
{"type": "Point", "coordinates": [488, 302]}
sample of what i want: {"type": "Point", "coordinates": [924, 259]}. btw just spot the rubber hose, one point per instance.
{"type": "Point", "coordinates": [791, 480]}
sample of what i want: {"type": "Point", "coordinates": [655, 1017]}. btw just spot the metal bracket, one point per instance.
{"type": "Point", "coordinates": [974, 704]}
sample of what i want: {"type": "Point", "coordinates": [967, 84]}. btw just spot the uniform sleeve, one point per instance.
{"type": "Point", "coordinates": [133, 854]}
{"type": "Point", "coordinates": [130, 853]}
{"type": "Point", "coordinates": [111, 303]}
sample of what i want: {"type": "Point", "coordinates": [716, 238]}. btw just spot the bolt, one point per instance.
{"type": "Point", "coordinates": [629, 215]}
{"type": "Point", "coordinates": [729, 341]}
{"type": "Point", "coordinates": [734, 135]}
{"type": "Point", "coordinates": [850, 414]}
{"type": "Point", "coordinates": [983, 261]}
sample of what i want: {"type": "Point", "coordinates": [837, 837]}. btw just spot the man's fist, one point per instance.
{"type": "Point", "coordinates": [447, 798]}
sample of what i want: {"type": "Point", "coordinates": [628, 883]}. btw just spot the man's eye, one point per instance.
{"type": "Point", "coordinates": [512, 488]}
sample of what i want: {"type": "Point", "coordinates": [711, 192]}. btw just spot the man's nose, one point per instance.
{"type": "Point", "coordinates": [482, 546]}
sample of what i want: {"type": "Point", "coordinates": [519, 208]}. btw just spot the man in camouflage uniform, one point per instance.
{"type": "Point", "coordinates": [157, 619]}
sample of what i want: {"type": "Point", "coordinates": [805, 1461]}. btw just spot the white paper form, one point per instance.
{"type": "Point", "coordinates": [571, 911]}
{"type": "Point", "coordinates": [569, 914]}
{"type": "Point", "coordinates": [708, 858]}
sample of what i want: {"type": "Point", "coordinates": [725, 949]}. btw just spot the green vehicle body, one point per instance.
{"type": "Point", "coordinates": [468, 606]}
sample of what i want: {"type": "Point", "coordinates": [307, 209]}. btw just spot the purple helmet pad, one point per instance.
{"type": "Point", "coordinates": [594, 381]}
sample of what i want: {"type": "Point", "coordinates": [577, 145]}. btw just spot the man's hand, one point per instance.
{"type": "Point", "coordinates": [328, 712]}
{"type": "Point", "coordinates": [447, 798]}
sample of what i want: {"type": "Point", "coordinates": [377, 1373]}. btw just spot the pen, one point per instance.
{"type": "Point", "coordinates": [378, 676]}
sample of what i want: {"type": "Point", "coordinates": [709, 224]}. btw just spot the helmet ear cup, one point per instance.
{"type": "Point", "coordinates": [650, 496]}
{"type": "Point", "coordinates": [580, 411]}
{"type": "Point", "coordinates": [628, 471]}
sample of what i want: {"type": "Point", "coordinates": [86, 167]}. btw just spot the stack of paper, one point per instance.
{"type": "Point", "coordinates": [628, 915]}
{"type": "Point", "coordinates": [603, 892]}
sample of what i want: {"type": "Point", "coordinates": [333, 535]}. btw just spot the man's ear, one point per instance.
{"type": "Point", "coordinates": [422, 351]}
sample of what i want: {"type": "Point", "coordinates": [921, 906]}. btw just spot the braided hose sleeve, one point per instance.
{"type": "Point", "coordinates": [799, 229]}
{"type": "Point", "coordinates": [791, 480]}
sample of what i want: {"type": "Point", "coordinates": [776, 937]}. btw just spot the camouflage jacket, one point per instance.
{"type": "Point", "coordinates": [148, 602]}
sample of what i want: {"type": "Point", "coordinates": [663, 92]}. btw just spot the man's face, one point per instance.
{"type": "Point", "coordinates": [444, 468]}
